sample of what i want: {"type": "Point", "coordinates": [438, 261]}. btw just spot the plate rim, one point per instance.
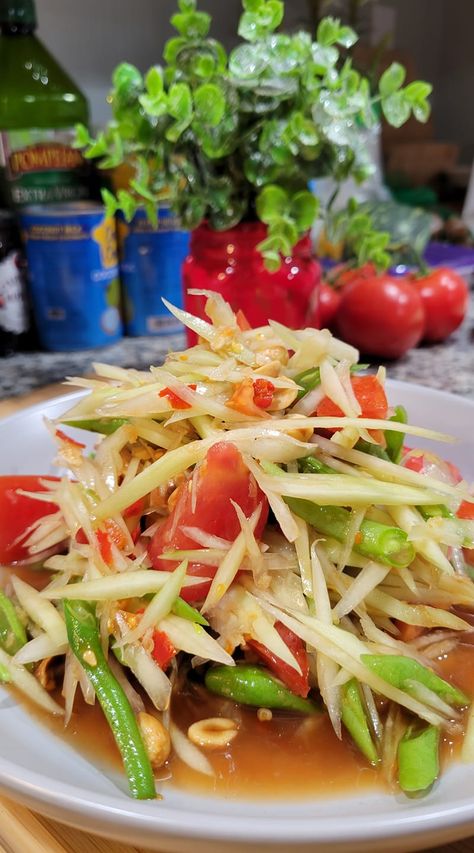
{"type": "Point", "coordinates": [202, 824]}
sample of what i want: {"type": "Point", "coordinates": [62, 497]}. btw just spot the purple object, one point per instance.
{"type": "Point", "coordinates": [460, 258]}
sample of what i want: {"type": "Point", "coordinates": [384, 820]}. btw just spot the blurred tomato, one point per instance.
{"type": "Point", "coordinates": [329, 300]}
{"type": "Point", "coordinates": [445, 296]}
{"type": "Point", "coordinates": [381, 315]}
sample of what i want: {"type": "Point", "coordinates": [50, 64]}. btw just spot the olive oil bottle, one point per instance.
{"type": "Point", "coordinates": [39, 107]}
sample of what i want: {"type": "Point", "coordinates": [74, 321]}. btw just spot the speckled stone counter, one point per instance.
{"type": "Point", "coordinates": [448, 366]}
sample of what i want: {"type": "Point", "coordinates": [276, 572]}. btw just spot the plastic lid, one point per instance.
{"type": "Point", "coordinates": [20, 12]}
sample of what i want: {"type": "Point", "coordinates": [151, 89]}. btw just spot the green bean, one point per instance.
{"type": "Point", "coordinates": [354, 717]}
{"type": "Point", "coordinates": [435, 511]}
{"type": "Point", "coordinates": [388, 545]}
{"type": "Point", "coordinates": [84, 640]}
{"type": "Point", "coordinates": [313, 465]}
{"type": "Point", "coordinates": [418, 760]}
{"type": "Point", "coordinates": [399, 671]}
{"type": "Point", "coordinates": [183, 609]}
{"type": "Point", "coordinates": [394, 440]}
{"type": "Point", "coordinates": [310, 379]}
{"type": "Point", "coordinates": [253, 685]}
{"type": "Point", "coordinates": [106, 426]}
{"type": "Point", "coordinates": [372, 449]}
{"type": "Point", "coordinates": [12, 631]}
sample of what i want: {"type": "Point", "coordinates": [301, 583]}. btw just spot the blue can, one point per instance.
{"type": "Point", "coordinates": [73, 272]}
{"type": "Point", "coordinates": [150, 268]}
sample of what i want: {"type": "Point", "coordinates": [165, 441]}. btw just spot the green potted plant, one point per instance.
{"type": "Point", "coordinates": [231, 141]}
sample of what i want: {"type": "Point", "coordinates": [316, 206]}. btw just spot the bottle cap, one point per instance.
{"type": "Point", "coordinates": [19, 12]}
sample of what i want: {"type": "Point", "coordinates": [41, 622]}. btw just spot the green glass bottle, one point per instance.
{"type": "Point", "coordinates": [39, 107]}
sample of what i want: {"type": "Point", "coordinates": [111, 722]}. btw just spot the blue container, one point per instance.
{"type": "Point", "coordinates": [73, 272]}
{"type": "Point", "coordinates": [150, 268]}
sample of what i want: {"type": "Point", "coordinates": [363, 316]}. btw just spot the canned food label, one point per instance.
{"type": "Point", "coordinates": [13, 313]}
{"type": "Point", "coordinates": [42, 167]}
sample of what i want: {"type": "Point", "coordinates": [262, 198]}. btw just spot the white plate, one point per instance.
{"type": "Point", "coordinates": [45, 773]}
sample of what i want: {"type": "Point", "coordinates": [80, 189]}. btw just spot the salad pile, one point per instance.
{"type": "Point", "coordinates": [252, 518]}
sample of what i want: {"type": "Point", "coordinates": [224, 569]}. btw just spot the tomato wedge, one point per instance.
{"type": "Point", "coordinates": [163, 650]}
{"type": "Point", "coordinates": [295, 682]}
{"type": "Point", "coordinates": [371, 397]}
{"type": "Point", "coordinates": [18, 512]}
{"type": "Point", "coordinates": [222, 477]}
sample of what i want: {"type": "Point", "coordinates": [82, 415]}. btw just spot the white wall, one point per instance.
{"type": "Point", "coordinates": [91, 37]}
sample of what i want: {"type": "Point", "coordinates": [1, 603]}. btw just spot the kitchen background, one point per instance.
{"type": "Point", "coordinates": [432, 38]}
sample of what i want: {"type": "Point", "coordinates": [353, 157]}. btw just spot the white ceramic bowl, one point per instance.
{"type": "Point", "coordinates": [45, 773]}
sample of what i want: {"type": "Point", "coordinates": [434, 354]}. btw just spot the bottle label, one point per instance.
{"type": "Point", "coordinates": [42, 167]}
{"type": "Point", "coordinates": [13, 313]}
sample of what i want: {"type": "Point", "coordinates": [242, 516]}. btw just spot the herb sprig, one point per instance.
{"type": "Point", "coordinates": [224, 138]}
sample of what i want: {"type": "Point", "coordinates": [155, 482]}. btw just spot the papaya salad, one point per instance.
{"type": "Point", "coordinates": [252, 516]}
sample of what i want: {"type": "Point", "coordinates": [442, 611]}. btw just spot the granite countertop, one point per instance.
{"type": "Point", "coordinates": [448, 366]}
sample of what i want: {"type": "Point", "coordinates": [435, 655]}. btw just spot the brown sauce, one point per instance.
{"type": "Point", "coordinates": [289, 757]}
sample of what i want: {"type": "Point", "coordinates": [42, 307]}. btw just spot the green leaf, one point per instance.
{"type": "Point", "coordinates": [304, 209]}
{"type": "Point", "coordinates": [204, 65]}
{"type": "Point", "coordinates": [209, 104]}
{"type": "Point", "coordinates": [272, 203]}
{"type": "Point", "coordinates": [391, 79]}
{"type": "Point", "coordinates": [110, 202]}
{"type": "Point", "coordinates": [83, 136]}
{"type": "Point", "coordinates": [187, 5]}
{"type": "Point", "coordinates": [154, 81]}
{"type": "Point", "coordinates": [180, 104]}
{"type": "Point", "coordinates": [155, 107]}
{"type": "Point", "coordinates": [127, 81]}
{"type": "Point", "coordinates": [396, 109]}
{"type": "Point", "coordinates": [418, 91]}
{"type": "Point", "coordinates": [422, 111]}
{"type": "Point", "coordinates": [192, 24]}
{"type": "Point", "coordinates": [127, 203]}
{"type": "Point", "coordinates": [142, 190]}
{"type": "Point", "coordinates": [257, 24]}
{"type": "Point", "coordinates": [346, 37]}
{"type": "Point", "coordinates": [172, 49]}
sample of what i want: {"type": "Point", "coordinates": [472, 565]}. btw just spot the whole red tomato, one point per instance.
{"type": "Point", "coordinates": [445, 295]}
{"type": "Point", "coordinates": [329, 300]}
{"type": "Point", "coordinates": [381, 316]}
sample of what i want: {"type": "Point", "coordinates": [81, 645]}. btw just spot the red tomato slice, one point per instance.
{"type": "Point", "coordinates": [295, 682]}
{"type": "Point", "coordinates": [163, 651]}
{"type": "Point", "coordinates": [222, 476]}
{"type": "Point", "coordinates": [423, 462]}
{"type": "Point", "coordinates": [369, 394]}
{"type": "Point", "coordinates": [18, 512]}
{"type": "Point", "coordinates": [466, 510]}
{"type": "Point", "coordinates": [175, 399]}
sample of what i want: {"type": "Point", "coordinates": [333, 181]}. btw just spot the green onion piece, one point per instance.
{"type": "Point", "coordinates": [12, 631]}
{"type": "Point", "coordinates": [398, 670]}
{"type": "Point", "coordinates": [106, 426]}
{"type": "Point", "coordinates": [354, 717]}
{"type": "Point", "coordinates": [394, 440]}
{"type": "Point", "coordinates": [418, 760]}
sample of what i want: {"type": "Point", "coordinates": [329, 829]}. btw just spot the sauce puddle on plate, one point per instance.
{"type": "Point", "coordinates": [287, 757]}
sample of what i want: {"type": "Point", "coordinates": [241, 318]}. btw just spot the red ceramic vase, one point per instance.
{"type": "Point", "coordinates": [228, 262]}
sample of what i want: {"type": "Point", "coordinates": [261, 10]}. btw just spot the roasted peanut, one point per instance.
{"type": "Point", "coordinates": [155, 737]}
{"type": "Point", "coordinates": [213, 732]}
